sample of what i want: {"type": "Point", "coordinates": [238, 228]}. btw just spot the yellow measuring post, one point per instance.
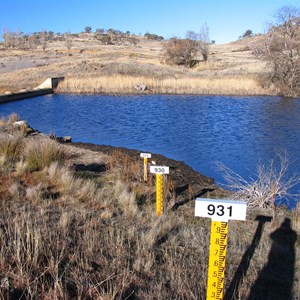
{"type": "Point", "coordinates": [159, 171]}
{"type": "Point", "coordinates": [159, 195]}
{"type": "Point", "coordinates": [145, 156]}
{"type": "Point", "coordinates": [216, 263]}
{"type": "Point", "coordinates": [220, 211]}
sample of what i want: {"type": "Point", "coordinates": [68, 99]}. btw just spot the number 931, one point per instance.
{"type": "Point", "coordinates": [219, 210]}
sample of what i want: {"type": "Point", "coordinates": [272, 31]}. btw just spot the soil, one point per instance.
{"type": "Point", "coordinates": [187, 183]}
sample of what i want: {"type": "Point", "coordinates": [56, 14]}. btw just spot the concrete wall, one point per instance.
{"type": "Point", "coordinates": [50, 83]}
{"type": "Point", "coordinates": [24, 95]}
{"type": "Point", "coordinates": [44, 88]}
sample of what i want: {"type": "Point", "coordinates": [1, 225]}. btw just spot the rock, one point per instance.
{"type": "Point", "coordinates": [140, 87]}
{"type": "Point", "coordinates": [21, 123]}
{"type": "Point", "coordinates": [62, 140]}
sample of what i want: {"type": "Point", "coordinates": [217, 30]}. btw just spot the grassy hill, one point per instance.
{"type": "Point", "coordinates": [90, 66]}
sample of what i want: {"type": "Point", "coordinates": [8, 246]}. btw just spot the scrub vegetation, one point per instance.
{"type": "Point", "coordinates": [77, 223]}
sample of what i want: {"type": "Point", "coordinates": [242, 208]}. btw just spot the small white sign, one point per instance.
{"type": "Point", "coordinates": [159, 170]}
{"type": "Point", "coordinates": [220, 210]}
{"type": "Point", "coordinates": [145, 155]}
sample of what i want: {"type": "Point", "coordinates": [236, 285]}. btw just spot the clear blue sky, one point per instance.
{"type": "Point", "coordinates": [226, 19]}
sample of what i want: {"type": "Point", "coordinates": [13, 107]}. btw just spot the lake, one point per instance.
{"type": "Point", "coordinates": [240, 132]}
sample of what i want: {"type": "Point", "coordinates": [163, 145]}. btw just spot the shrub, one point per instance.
{"type": "Point", "coordinates": [154, 37]}
{"type": "Point", "coordinates": [105, 39]}
{"type": "Point", "coordinates": [181, 52]}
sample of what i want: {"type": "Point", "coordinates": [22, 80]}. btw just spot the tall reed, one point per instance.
{"type": "Point", "coordinates": [119, 84]}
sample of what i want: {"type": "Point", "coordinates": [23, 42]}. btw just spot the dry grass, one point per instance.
{"type": "Point", "coordinates": [65, 236]}
{"type": "Point", "coordinates": [10, 148]}
{"type": "Point", "coordinates": [42, 154]}
{"type": "Point", "coordinates": [126, 85]}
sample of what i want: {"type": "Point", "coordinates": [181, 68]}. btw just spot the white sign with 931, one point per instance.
{"type": "Point", "coordinates": [220, 210]}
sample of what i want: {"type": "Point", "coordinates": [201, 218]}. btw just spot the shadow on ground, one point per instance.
{"type": "Point", "coordinates": [275, 280]}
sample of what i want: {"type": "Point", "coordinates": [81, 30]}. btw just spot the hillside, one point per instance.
{"type": "Point", "coordinates": [89, 65]}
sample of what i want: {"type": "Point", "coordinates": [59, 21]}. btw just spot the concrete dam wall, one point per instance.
{"type": "Point", "coordinates": [47, 87]}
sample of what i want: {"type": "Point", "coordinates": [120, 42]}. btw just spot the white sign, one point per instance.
{"type": "Point", "coordinates": [159, 170]}
{"type": "Point", "coordinates": [145, 155]}
{"type": "Point", "coordinates": [220, 210]}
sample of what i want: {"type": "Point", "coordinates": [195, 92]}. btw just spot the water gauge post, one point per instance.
{"type": "Point", "coordinates": [220, 212]}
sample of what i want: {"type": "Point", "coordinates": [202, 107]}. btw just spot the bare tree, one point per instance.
{"type": "Point", "coordinates": [281, 48]}
{"type": "Point", "coordinates": [202, 39]}
{"type": "Point", "coordinates": [31, 41]}
{"type": "Point", "coordinates": [43, 39]}
{"type": "Point", "coordinates": [7, 37]}
{"type": "Point", "coordinates": [68, 40]}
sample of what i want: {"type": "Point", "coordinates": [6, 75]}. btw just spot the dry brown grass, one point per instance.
{"type": "Point", "coordinates": [91, 67]}
{"type": "Point", "coordinates": [66, 236]}
{"type": "Point", "coordinates": [126, 85]}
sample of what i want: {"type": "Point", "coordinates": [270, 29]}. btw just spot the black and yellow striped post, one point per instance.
{"type": "Point", "coordinates": [216, 263]}
{"type": "Point", "coordinates": [159, 194]}
{"type": "Point", "coordinates": [220, 211]}
{"type": "Point", "coordinates": [159, 171]}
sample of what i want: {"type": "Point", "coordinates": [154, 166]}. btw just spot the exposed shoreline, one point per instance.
{"type": "Point", "coordinates": [187, 183]}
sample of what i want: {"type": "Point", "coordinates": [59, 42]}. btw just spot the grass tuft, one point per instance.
{"type": "Point", "coordinates": [41, 155]}
{"type": "Point", "coordinates": [10, 151]}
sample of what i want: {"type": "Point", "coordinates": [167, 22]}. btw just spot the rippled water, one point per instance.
{"type": "Point", "coordinates": [240, 132]}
